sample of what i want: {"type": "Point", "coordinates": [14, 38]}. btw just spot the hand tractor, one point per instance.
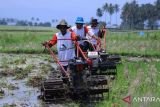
{"type": "Point", "coordinates": [86, 78]}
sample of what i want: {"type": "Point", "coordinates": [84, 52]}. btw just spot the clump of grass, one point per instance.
{"type": "Point", "coordinates": [34, 81]}
{"type": "Point", "coordinates": [5, 66]}
{"type": "Point", "coordinates": [9, 105]}
{"type": "Point", "coordinates": [45, 69]}
{"type": "Point", "coordinates": [19, 61]}
{"type": "Point", "coordinates": [12, 87]}
{"type": "Point", "coordinates": [3, 84]}
{"type": "Point", "coordinates": [73, 104]}
{"type": "Point", "coordinates": [2, 93]}
{"type": "Point", "coordinates": [6, 84]}
{"type": "Point", "coordinates": [24, 73]}
{"type": "Point", "coordinates": [6, 72]}
{"type": "Point", "coordinates": [4, 63]}
{"type": "Point", "coordinates": [11, 72]}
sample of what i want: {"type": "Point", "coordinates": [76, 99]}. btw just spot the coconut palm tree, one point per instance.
{"type": "Point", "coordinates": [116, 7]}
{"type": "Point", "coordinates": [37, 19]}
{"type": "Point", "coordinates": [105, 10]}
{"type": "Point", "coordinates": [32, 18]}
{"type": "Point", "coordinates": [110, 11]}
{"type": "Point", "coordinates": [157, 4]}
{"type": "Point", "coordinates": [99, 12]}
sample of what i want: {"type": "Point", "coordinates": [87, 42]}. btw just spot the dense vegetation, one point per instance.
{"type": "Point", "coordinates": [32, 22]}
{"type": "Point", "coordinates": [134, 15]}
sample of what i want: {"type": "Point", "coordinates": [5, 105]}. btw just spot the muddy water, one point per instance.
{"type": "Point", "coordinates": [24, 95]}
{"type": "Point", "coordinates": [16, 91]}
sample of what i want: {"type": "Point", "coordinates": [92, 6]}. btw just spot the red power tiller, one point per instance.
{"type": "Point", "coordinates": [79, 51]}
{"type": "Point", "coordinates": [87, 76]}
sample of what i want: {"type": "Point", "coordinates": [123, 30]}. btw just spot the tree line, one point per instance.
{"type": "Point", "coordinates": [108, 8]}
{"type": "Point", "coordinates": [32, 22]}
{"type": "Point", "coordinates": [133, 15]}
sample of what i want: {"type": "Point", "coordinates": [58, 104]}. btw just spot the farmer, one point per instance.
{"type": "Point", "coordinates": [64, 40]}
{"type": "Point", "coordinates": [94, 28]}
{"type": "Point", "coordinates": [81, 30]}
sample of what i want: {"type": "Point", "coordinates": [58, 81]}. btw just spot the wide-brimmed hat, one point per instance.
{"type": "Point", "coordinates": [62, 23]}
{"type": "Point", "coordinates": [94, 21]}
{"type": "Point", "coordinates": [79, 20]}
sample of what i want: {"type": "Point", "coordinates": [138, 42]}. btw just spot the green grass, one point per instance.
{"type": "Point", "coordinates": [36, 81]}
{"type": "Point", "coordinates": [130, 43]}
{"type": "Point", "coordinates": [123, 43]}
{"type": "Point", "coordinates": [4, 84]}
{"type": "Point", "coordinates": [25, 28]}
{"type": "Point", "coordinates": [24, 72]}
{"type": "Point", "coordinates": [138, 79]}
{"type": "Point", "coordinates": [23, 42]}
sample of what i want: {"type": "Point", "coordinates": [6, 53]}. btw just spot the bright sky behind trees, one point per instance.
{"type": "Point", "coordinates": [46, 10]}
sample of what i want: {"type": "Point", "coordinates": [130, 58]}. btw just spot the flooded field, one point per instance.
{"type": "Point", "coordinates": [20, 79]}
{"type": "Point", "coordinates": [21, 76]}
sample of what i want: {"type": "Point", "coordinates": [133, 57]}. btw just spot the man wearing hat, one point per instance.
{"type": "Point", "coordinates": [64, 40]}
{"type": "Point", "coordinates": [81, 30]}
{"type": "Point", "coordinates": [96, 31]}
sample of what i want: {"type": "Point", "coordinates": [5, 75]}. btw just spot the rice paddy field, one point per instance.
{"type": "Point", "coordinates": [23, 64]}
{"type": "Point", "coordinates": [134, 44]}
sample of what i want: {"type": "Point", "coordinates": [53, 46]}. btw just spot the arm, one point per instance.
{"type": "Point", "coordinates": [74, 37]}
{"type": "Point", "coordinates": [53, 41]}
{"type": "Point", "coordinates": [90, 33]}
{"type": "Point", "coordinates": [101, 33]}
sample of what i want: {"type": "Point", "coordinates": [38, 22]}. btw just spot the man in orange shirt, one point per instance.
{"type": "Point", "coordinates": [64, 40]}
